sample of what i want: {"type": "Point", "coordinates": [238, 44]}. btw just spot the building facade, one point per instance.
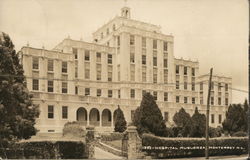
{"type": "Point", "coordinates": [86, 82]}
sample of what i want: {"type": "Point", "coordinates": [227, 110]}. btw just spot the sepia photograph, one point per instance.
{"type": "Point", "coordinates": [124, 79]}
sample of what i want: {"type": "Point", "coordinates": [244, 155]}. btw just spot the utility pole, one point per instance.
{"type": "Point", "coordinates": [207, 114]}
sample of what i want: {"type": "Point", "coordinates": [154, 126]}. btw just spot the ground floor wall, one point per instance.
{"type": "Point", "coordinates": [101, 113]}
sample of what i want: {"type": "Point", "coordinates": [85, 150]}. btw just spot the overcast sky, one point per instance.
{"type": "Point", "coordinates": [214, 32]}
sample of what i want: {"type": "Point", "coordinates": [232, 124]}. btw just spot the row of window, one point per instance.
{"type": "Point", "coordinates": [50, 86]}
{"type": "Point", "coordinates": [185, 70]}
{"type": "Point", "coordinates": [185, 86]}
{"type": "Point", "coordinates": [144, 43]}
{"type": "Point", "coordinates": [213, 118]}
{"type": "Point", "coordinates": [220, 85]}
{"type": "Point", "coordinates": [51, 112]}
{"type": "Point", "coordinates": [185, 100]}
{"type": "Point", "coordinates": [50, 64]}
{"type": "Point", "coordinates": [108, 31]}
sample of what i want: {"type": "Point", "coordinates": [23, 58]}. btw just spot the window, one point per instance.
{"type": "Point", "coordinates": [212, 100]}
{"type": "Point", "coordinates": [165, 63]}
{"type": "Point", "coordinates": [143, 42]}
{"type": "Point", "coordinates": [118, 73]}
{"type": "Point", "coordinates": [50, 86]}
{"type": "Point", "coordinates": [110, 69]}
{"type": "Point", "coordinates": [76, 90]}
{"type": "Point", "coordinates": [110, 93]}
{"type": "Point", "coordinates": [226, 101]}
{"type": "Point", "coordinates": [113, 27]}
{"type": "Point", "coordinates": [64, 112]}
{"type": "Point", "coordinates": [35, 84]}
{"type": "Point", "coordinates": [118, 41]}
{"type": "Point", "coordinates": [212, 85]}
{"type": "Point", "coordinates": [75, 52]}
{"type": "Point", "coordinates": [98, 57]}
{"type": "Point", "coordinates": [132, 40]}
{"type": "Point", "coordinates": [64, 87]}
{"type": "Point", "coordinates": [101, 35]}
{"type": "Point", "coordinates": [155, 75]}
{"type": "Point", "coordinates": [165, 46]}
{"type": "Point", "coordinates": [154, 61]}
{"type": "Point", "coordinates": [185, 70]}
{"type": "Point", "coordinates": [219, 87]}
{"type": "Point", "coordinates": [193, 71]}
{"type": "Point", "coordinates": [177, 99]}
{"type": "Point", "coordinates": [177, 85]}
{"type": "Point", "coordinates": [220, 118]}
{"type": "Point", "coordinates": [226, 87]}
{"type": "Point", "coordinates": [132, 56]}
{"type": "Point", "coordinates": [201, 86]}
{"type": "Point", "coordinates": [87, 70]}
{"type": "Point", "coordinates": [193, 100]}
{"type": "Point", "coordinates": [109, 58]}
{"type": "Point", "coordinates": [185, 99]}
{"type": "Point", "coordinates": [201, 100]}
{"type": "Point", "coordinates": [119, 93]}
{"type": "Point", "coordinates": [154, 44]}
{"type": "Point", "coordinates": [98, 71]}
{"type": "Point", "coordinates": [99, 93]}
{"type": "Point", "coordinates": [219, 101]}
{"type": "Point", "coordinates": [166, 116]}
{"type": "Point", "coordinates": [165, 96]}
{"type": "Point", "coordinates": [185, 85]}
{"type": "Point", "coordinates": [132, 93]}
{"type": "Point", "coordinates": [35, 63]}
{"type": "Point", "coordinates": [212, 118]}
{"type": "Point", "coordinates": [193, 86]}
{"type": "Point", "coordinates": [144, 60]}
{"type": "Point", "coordinates": [132, 72]}
{"type": "Point", "coordinates": [165, 76]}
{"type": "Point", "coordinates": [87, 91]}
{"type": "Point", "coordinates": [50, 111]}
{"type": "Point", "coordinates": [64, 67]}
{"type": "Point", "coordinates": [144, 74]}
{"type": "Point", "coordinates": [86, 55]}
{"type": "Point", "coordinates": [76, 70]}
{"type": "Point", "coordinates": [177, 69]}
{"type": "Point", "coordinates": [50, 65]}
{"type": "Point", "coordinates": [155, 95]}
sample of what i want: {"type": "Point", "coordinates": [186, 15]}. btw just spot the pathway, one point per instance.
{"type": "Point", "coordinates": [101, 154]}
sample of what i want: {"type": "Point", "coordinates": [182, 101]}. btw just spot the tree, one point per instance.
{"type": "Point", "coordinates": [148, 117]}
{"type": "Point", "coordinates": [245, 109]}
{"type": "Point", "coordinates": [120, 122]}
{"type": "Point", "coordinates": [17, 112]}
{"type": "Point", "coordinates": [234, 121]}
{"type": "Point", "coordinates": [183, 122]}
{"type": "Point", "coordinates": [199, 124]}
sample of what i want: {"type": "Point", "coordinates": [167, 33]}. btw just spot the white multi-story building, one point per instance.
{"type": "Point", "coordinates": [86, 82]}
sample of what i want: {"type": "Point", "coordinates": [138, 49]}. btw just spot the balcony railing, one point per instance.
{"type": "Point", "coordinates": [94, 123]}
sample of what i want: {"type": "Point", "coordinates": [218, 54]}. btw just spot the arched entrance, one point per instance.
{"type": "Point", "coordinates": [94, 117]}
{"type": "Point", "coordinates": [81, 115]}
{"type": "Point", "coordinates": [106, 117]}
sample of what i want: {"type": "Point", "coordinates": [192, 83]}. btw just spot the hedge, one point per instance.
{"type": "Point", "coordinates": [46, 150]}
{"type": "Point", "coordinates": [160, 147]}
{"type": "Point", "coordinates": [112, 136]}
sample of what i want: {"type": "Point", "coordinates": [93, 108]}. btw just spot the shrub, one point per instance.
{"type": "Point", "coordinates": [215, 132]}
{"type": "Point", "coordinates": [73, 129]}
{"type": "Point", "coordinates": [148, 117]}
{"type": "Point", "coordinates": [239, 134]}
{"type": "Point", "coordinates": [192, 147]}
{"type": "Point", "coordinates": [112, 136]}
{"type": "Point", "coordinates": [120, 122]}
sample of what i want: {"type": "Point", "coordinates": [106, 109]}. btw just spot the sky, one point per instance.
{"type": "Point", "coordinates": [214, 32]}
